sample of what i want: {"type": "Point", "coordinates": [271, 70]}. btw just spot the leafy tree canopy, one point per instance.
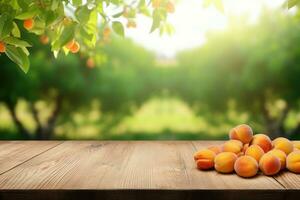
{"type": "Point", "coordinates": [72, 25]}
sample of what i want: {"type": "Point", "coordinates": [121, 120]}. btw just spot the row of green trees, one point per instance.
{"type": "Point", "coordinates": [255, 66]}
{"type": "Point", "coordinates": [68, 85]}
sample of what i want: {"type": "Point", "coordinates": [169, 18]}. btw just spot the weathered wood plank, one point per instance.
{"type": "Point", "coordinates": [79, 165]}
{"type": "Point", "coordinates": [124, 165]}
{"type": "Point", "coordinates": [288, 179]}
{"type": "Point", "coordinates": [13, 153]}
{"type": "Point", "coordinates": [131, 170]}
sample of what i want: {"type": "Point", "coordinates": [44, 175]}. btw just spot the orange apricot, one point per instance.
{"type": "Point", "coordinates": [234, 146]}
{"type": "Point", "coordinates": [90, 63]}
{"type": "Point", "coordinates": [242, 132]}
{"type": "Point", "coordinates": [2, 47]}
{"type": "Point", "coordinates": [156, 3]}
{"type": "Point", "coordinates": [224, 162]}
{"type": "Point", "coordinates": [216, 149]}
{"type": "Point", "coordinates": [296, 145]}
{"type": "Point", "coordinates": [106, 32]}
{"type": "Point", "coordinates": [44, 39]}
{"type": "Point", "coordinates": [255, 152]}
{"type": "Point", "coordinates": [70, 44]}
{"type": "Point", "coordinates": [75, 47]}
{"type": "Point", "coordinates": [263, 141]}
{"type": "Point", "coordinates": [170, 7]}
{"type": "Point", "coordinates": [131, 24]}
{"type": "Point", "coordinates": [283, 144]}
{"type": "Point", "coordinates": [246, 166]}
{"type": "Point", "coordinates": [281, 155]}
{"type": "Point", "coordinates": [269, 164]}
{"type": "Point", "coordinates": [28, 23]}
{"type": "Point", "coordinates": [293, 162]}
{"type": "Point", "coordinates": [204, 159]}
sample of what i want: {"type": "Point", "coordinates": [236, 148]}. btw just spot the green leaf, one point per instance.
{"type": "Point", "coordinates": [16, 42]}
{"type": "Point", "coordinates": [6, 25]}
{"type": "Point", "coordinates": [27, 15]}
{"type": "Point", "coordinates": [66, 36]}
{"type": "Point", "coordinates": [18, 56]}
{"type": "Point", "coordinates": [118, 28]}
{"type": "Point", "coordinates": [292, 3]}
{"type": "Point", "coordinates": [82, 14]}
{"type": "Point", "coordinates": [16, 31]}
{"type": "Point", "coordinates": [51, 17]}
{"type": "Point", "coordinates": [156, 19]}
{"type": "Point", "coordinates": [55, 4]}
{"type": "Point", "coordinates": [77, 2]}
{"type": "Point", "coordinates": [118, 14]}
{"type": "Point", "coordinates": [100, 7]}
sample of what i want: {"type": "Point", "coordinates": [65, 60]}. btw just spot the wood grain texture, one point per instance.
{"type": "Point", "coordinates": [129, 170]}
{"type": "Point", "coordinates": [288, 180]}
{"type": "Point", "coordinates": [124, 165]}
{"type": "Point", "coordinates": [13, 153]}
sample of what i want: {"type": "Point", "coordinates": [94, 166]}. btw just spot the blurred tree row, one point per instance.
{"type": "Point", "coordinates": [255, 66]}
{"type": "Point", "coordinates": [69, 84]}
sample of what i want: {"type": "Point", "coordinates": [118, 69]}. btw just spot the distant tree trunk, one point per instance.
{"type": "Point", "coordinates": [292, 133]}
{"type": "Point", "coordinates": [275, 126]}
{"type": "Point", "coordinates": [38, 131]}
{"type": "Point", "coordinates": [46, 132]}
{"type": "Point", "coordinates": [21, 129]}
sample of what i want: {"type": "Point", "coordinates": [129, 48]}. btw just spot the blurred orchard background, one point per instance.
{"type": "Point", "coordinates": [217, 70]}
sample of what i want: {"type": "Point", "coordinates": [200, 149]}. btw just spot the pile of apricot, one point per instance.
{"type": "Point", "coordinates": [246, 154]}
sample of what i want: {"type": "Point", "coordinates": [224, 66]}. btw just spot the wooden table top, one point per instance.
{"type": "Point", "coordinates": [125, 169]}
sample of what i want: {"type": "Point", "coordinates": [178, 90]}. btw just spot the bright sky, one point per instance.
{"type": "Point", "coordinates": [192, 21]}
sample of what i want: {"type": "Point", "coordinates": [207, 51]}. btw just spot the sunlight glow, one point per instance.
{"type": "Point", "coordinates": [192, 22]}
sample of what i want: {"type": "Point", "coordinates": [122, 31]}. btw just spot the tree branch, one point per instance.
{"type": "Point", "coordinates": [38, 131]}
{"type": "Point", "coordinates": [22, 130]}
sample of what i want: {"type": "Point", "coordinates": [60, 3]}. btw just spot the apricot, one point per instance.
{"type": "Point", "coordinates": [293, 162]}
{"type": "Point", "coordinates": [255, 152]}
{"type": "Point", "coordinates": [2, 47]}
{"type": "Point", "coordinates": [90, 63]}
{"type": "Point", "coordinates": [205, 159]}
{"type": "Point", "coordinates": [28, 23]}
{"type": "Point", "coordinates": [263, 141]}
{"type": "Point", "coordinates": [246, 166]}
{"type": "Point", "coordinates": [106, 32]}
{"type": "Point", "coordinates": [170, 7]}
{"type": "Point", "coordinates": [44, 39]}
{"type": "Point", "coordinates": [242, 132]}
{"type": "Point", "coordinates": [283, 144]}
{"type": "Point", "coordinates": [296, 145]}
{"type": "Point", "coordinates": [75, 47]}
{"type": "Point", "coordinates": [216, 149]}
{"type": "Point", "coordinates": [156, 3]}
{"type": "Point", "coordinates": [70, 44]}
{"type": "Point", "coordinates": [269, 164]}
{"type": "Point", "coordinates": [281, 155]}
{"type": "Point", "coordinates": [234, 146]}
{"type": "Point", "coordinates": [224, 162]}
{"type": "Point", "coordinates": [131, 24]}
